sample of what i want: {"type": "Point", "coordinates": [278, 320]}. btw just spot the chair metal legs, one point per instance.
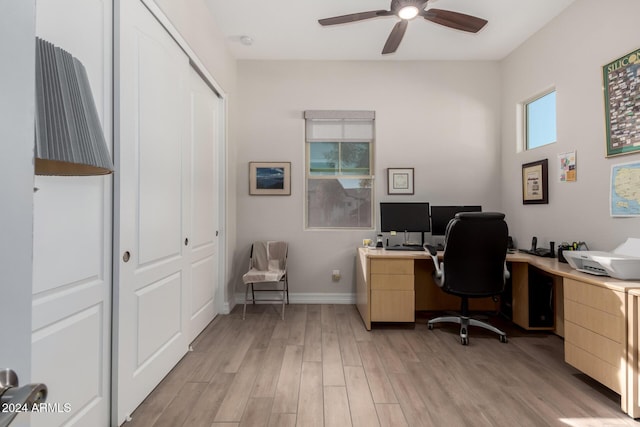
{"type": "Point", "coordinates": [246, 293]}
{"type": "Point", "coordinates": [286, 284]}
{"type": "Point", "coordinates": [285, 292]}
{"type": "Point", "coordinates": [284, 299]}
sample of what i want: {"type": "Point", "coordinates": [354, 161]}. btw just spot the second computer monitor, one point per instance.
{"type": "Point", "coordinates": [441, 215]}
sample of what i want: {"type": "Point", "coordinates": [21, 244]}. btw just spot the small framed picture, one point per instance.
{"type": "Point", "coordinates": [270, 178]}
{"type": "Point", "coordinates": [535, 185]}
{"type": "Point", "coordinates": [400, 181]}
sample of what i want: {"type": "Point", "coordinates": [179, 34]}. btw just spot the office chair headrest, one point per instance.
{"type": "Point", "coordinates": [480, 216]}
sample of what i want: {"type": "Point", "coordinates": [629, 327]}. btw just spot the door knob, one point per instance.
{"type": "Point", "coordinates": [15, 399]}
{"type": "Point", "coordinates": [8, 379]}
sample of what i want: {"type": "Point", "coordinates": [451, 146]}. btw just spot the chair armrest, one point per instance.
{"type": "Point", "coordinates": [431, 249]}
{"type": "Point", "coordinates": [438, 265]}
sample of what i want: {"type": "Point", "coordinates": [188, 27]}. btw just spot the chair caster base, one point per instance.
{"type": "Point", "coordinates": [465, 322]}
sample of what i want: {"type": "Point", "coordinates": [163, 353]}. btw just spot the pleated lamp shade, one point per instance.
{"type": "Point", "coordinates": [68, 134]}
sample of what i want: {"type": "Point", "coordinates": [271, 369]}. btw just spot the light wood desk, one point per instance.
{"type": "Point", "coordinates": [597, 316]}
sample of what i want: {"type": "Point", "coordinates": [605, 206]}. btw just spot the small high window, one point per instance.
{"type": "Point", "coordinates": [540, 121]}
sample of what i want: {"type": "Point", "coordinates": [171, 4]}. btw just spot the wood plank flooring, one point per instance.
{"type": "Point", "coordinates": [320, 367]}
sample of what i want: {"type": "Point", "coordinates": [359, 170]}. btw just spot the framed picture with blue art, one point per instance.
{"type": "Point", "coordinates": [270, 178]}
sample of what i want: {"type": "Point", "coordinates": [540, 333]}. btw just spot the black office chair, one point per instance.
{"type": "Point", "coordinates": [473, 266]}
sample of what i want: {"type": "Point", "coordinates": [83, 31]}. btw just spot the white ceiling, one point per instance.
{"type": "Point", "coordinates": [289, 29]}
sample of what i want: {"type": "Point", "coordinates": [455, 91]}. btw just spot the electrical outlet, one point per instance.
{"type": "Point", "coordinates": [335, 275]}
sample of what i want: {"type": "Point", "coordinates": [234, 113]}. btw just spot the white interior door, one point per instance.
{"type": "Point", "coordinates": [72, 250]}
{"type": "Point", "coordinates": [203, 248]}
{"type": "Point", "coordinates": [152, 311]}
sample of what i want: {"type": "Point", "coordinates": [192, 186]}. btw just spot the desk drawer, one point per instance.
{"type": "Point", "coordinates": [597, 309]}
{"type": "Point", "coordinates": [609, 375]}
{"type": "Point", "coordinates": [611, 326]}
{"type": "Point", "coordinates": [392, 306]}
{"type": "Point", "coordinates": [391, 266]}
{"type": "Point", "coordinates": [595, 332]}
{"type": "Point", "coordinates": [597, 297]}
{"type": "Point", "coordinates": [392, 281]}
{"type": "Point", "coordinates": [604, 349]}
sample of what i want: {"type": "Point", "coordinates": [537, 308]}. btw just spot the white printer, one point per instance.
{"type": "Point", "coordinates": [623, 263]}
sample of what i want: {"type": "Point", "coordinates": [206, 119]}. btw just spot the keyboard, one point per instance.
{"type": "Point", "coordinates": [404, 248]}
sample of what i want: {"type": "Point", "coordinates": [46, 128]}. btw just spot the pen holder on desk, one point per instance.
{"type": "Point", "coordinates": [561, 257]}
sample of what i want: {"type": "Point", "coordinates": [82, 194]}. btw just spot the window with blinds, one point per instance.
{"type": "Point", "coordinates": [339, 169]}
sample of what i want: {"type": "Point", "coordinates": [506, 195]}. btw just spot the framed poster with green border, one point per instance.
{"type": "Point", "coordinates": [622, 104]}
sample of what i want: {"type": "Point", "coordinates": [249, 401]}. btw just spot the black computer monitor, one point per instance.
{"type": "Point", "coordinates": [401, 217]}
{"type": "Point", "coordinates": [441, 215]}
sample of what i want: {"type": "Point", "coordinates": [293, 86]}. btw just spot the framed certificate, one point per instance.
{"type": "Point", "coordinates": [535, 185]}
{"type": "Point", "coordinates": [400, 181]}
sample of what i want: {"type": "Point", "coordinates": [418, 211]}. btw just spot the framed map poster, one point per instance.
{"type": "Point", "coordinates": [625, 181]}
{"type": "Point", "coordinates": [622, 104]}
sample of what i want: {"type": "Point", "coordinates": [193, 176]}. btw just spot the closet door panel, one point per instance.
{"type": "Point", "coordinates": [204, 134]}
{"type": "Point", "coordinates": [151, 224]}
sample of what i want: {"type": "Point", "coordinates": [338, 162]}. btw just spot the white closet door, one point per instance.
{"type": "Point", "coordinates": [72, 252]}
{"type": "Point", "coordinates": [203, 248]}
{"type": "Point", "coordinates": [152, 310]}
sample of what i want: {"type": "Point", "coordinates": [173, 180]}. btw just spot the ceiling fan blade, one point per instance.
{"type": "Point", "coordinates": [343, 19]}
{"type": "Point", "coordinates": [456, 20]}
{"type": "Point", "coordinates": [394, 39]}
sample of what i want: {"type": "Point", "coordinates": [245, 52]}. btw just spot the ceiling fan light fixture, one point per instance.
{"type": "Point", "coordinates": [408, 12]}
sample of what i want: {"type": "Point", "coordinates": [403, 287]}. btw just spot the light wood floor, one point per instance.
{"type": "Point", "coordinates": [320, 367]}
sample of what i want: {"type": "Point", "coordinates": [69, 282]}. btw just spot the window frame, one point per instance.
{"type": "Point", "coordinates": [342, 117]}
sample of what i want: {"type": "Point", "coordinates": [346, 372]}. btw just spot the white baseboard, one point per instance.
{"type": "Point", "coordinates": [310, 298]}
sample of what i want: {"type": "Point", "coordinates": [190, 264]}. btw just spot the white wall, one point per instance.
{"type": "Point", "coordinates": [441, 118]}
{"type": "Point", "coordinates": [569, 54]}
{"type": "Point", "coordinates": [193, 19]}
